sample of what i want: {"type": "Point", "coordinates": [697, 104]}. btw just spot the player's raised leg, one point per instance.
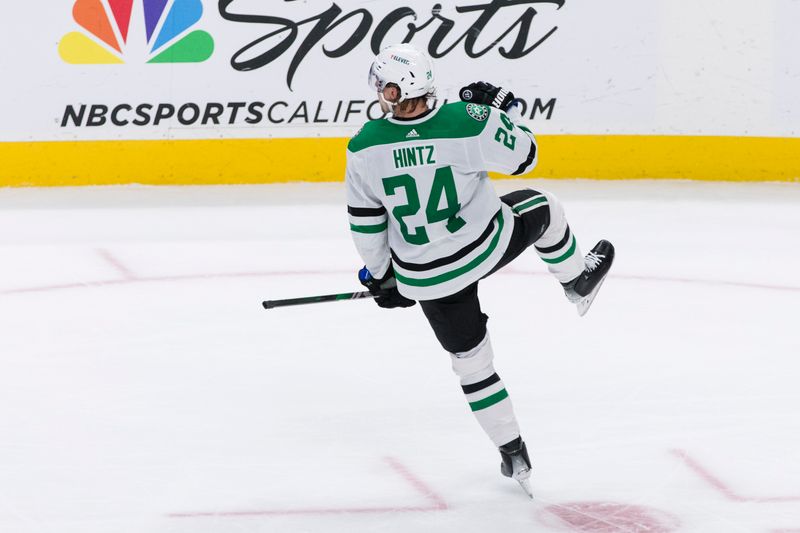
{"type": "Point", "coordinates": [544, 224]}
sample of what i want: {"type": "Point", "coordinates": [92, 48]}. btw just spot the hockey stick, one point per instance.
{"type": "Point", "coordinates": [271, 304]}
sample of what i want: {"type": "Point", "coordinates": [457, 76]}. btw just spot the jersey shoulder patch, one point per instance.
{"type": "Point", "coordinates": [465, 116]}
{"type": "Point", "coordinates": [478, 112]}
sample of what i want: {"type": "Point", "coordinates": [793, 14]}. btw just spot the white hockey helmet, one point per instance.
{"type": "Point", "coordinates": [406, 66]}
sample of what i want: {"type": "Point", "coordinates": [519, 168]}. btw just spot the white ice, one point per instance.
{"type": "Point", "coordinates": [144, 389]}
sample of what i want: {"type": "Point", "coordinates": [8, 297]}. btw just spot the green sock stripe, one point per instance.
{"type": "Point", "coordinates": [377, 228]}
{"type": "Point", "coordinates": [566, 255]}
{"type": "Point", "coordinates": [489, 400]}
{"type": "Point", "coordinates": [535, 201]}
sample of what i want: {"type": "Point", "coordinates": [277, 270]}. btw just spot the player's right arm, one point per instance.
{"type": "Point", "coordinates": [368, 220]}
{"type": "Point", "coordinates": [507, 147]}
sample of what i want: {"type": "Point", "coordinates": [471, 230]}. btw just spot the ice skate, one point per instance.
{"type": "Point", "coordinates": [582, 290]}
{"type": "Point", "coordinates": [516, 463]}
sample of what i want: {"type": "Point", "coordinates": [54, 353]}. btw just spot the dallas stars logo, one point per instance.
{"type": "Point", "coordinates": [478, 112]}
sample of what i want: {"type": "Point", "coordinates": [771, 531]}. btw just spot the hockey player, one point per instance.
{"type": "Point", "coordinates": [426, 221]}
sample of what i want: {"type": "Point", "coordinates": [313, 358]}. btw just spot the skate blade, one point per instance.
{"type": "Point", "coordinates": [526, 486]}
{"type": "Point", "coordinates": [585, 303]}
{"type": "Point", "coordinates": [523, 478]}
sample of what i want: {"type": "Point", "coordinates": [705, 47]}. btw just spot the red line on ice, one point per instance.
{"type": "Point", "coordinates": [305, 512]}
{"type": "Point", "coordinates": [723, 488]}
{"type": "Point", "coordinates": [437, 503]}
{"type": "Point", "coordinates": [279, 273]}
{"type": "Point", "coordinates": [116, 263]}
{"type": "Point", "coordinates": [157, 279]}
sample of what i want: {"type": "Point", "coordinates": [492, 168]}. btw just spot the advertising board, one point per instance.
{"type": "Point", "coordinates": [233, 91]}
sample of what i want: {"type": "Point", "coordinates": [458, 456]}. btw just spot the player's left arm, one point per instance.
{"type": "Point", "coordinates": [506, 145]}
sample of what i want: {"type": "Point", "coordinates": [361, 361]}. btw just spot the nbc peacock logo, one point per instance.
{"type": "Point", "coordinates": [128, 31]}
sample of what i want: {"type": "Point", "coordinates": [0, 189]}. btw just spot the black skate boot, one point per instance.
{"type": "Point", "coordinates": [582, 290]}
{"type": "Point", "coordinates": [516, 463]}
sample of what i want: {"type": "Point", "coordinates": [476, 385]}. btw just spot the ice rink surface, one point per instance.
{"type": "Point", "coordinates": [144, 389]}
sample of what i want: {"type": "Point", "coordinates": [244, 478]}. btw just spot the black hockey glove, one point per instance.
{"type": "Point", "coordinates": [481, 92]}
{"type": "Point", "coordinates": [384, 289]}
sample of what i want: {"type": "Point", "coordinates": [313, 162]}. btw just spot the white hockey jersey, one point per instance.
{"type": "Point", "coordinates": [419, 196]}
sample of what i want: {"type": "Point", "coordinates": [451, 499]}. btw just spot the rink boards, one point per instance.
{"type": "Point", "coordinates": [238, 161]}
{"type": "Point", "coordinates": [226, 92]}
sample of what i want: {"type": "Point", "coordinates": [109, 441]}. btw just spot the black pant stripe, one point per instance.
{"type": "Point", "coordinates": [366, 211]}
{"type": "Point", "coordinates": [444, 261]}
{"type": "Point", "coordinates": [556, 247]}
{"type": "Point", "coordinates": [479, 386]}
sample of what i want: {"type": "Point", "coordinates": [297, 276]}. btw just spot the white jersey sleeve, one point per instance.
{"type": "Point", "coordinates": [506, 147]}
{"type": "Point", "coordinates": [368, 221]}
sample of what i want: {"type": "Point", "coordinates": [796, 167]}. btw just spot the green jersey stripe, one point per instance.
{"type": "Point", "coordinates": [566, 254]}
{"type": "Point", "coordinates": [527, 199]}
{"type": "Point", "coordinates": [444, 261]}
{"type": "Point", "coordinates": [489, 400]}
{"type": "Point", "coordinates": [538, 200]}
{"type": "Point", "coordinates": [447, 276]}
{"type": "Point", "coordinates": [529, 209]}
{"type": "Point", "coordinates": [375, 228]}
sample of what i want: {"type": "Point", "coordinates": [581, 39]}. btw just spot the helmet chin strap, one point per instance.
{"type": "Point", "coordinates": [386, 105]}
{"type": "Point", "coordinates": [431, 100]}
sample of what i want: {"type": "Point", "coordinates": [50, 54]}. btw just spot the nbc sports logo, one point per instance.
{"type": "Point", "coordinates": [152, 31]}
